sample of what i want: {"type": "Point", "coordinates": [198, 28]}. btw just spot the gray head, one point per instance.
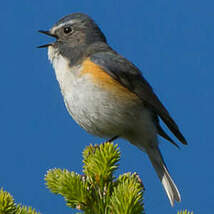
{"type": "Point", "coordinates": [75, 30]}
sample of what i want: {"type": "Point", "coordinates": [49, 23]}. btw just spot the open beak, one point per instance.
{"type": "Point", "coordinates": [49, 34]}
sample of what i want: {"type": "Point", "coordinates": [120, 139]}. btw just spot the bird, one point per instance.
{"type": "Point", "coordinates": [106, 94]}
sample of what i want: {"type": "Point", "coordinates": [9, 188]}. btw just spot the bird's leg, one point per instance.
{"type": "Point", "coordinates": [112, 139]}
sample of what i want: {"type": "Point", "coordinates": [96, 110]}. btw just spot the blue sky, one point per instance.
{"type": "Point", "coordinates": [172, 43]}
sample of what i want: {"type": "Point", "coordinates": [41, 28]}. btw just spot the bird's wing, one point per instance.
{"type": "Point", "coordinates": [160, 130]}
{"type": "Point", "coordinates": [130, 77]}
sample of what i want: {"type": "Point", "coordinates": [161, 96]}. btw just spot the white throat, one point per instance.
{"type": "Point", "coordinates": [65, 74]}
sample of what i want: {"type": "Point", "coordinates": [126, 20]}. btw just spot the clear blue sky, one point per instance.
{"type": "Point", "coordinates": [172, 42]}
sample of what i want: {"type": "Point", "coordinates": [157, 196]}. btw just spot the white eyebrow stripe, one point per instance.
{"type": "Point", "coordinates": [61, 25]}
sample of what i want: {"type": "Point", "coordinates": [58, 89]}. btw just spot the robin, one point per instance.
{"type": "Point", "coordinates": [106, 94]}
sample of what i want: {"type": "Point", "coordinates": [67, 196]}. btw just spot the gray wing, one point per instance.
{"type": "Point", "coordinates": [130, 77]}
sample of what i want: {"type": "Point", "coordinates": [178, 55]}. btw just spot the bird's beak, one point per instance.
{"type": "Point", "coordinates": [49, 34]}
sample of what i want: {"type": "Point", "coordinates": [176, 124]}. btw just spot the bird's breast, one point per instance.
{"type": "Point", "coordinates": [96, 101]}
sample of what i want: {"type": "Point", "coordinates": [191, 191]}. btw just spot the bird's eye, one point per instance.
{"type": "Point", "coordinates": [67, 29]}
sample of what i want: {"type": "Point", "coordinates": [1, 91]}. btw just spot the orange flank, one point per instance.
{"type": "Point", "coordinates": [104, 80]}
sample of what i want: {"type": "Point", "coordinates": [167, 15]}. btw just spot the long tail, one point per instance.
{"type": "Point", "coordinates": [163, 174]}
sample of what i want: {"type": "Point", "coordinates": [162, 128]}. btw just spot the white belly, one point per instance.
{"type": "Point", "coordinates": [96, 110]}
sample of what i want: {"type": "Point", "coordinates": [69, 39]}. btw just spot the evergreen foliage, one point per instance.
{"type": "Point", "coordinates": [97, 191]}
{"type": "Point", "coordinates": [8, 206]}
{"type": "Point", "coordinates": [184, 212]}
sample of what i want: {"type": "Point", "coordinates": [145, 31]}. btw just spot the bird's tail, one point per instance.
{"type": "Point", "coordinates": [163, 174]}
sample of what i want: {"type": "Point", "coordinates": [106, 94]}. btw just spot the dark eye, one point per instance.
{"type": "Point", "coordinates": [67, 29]}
